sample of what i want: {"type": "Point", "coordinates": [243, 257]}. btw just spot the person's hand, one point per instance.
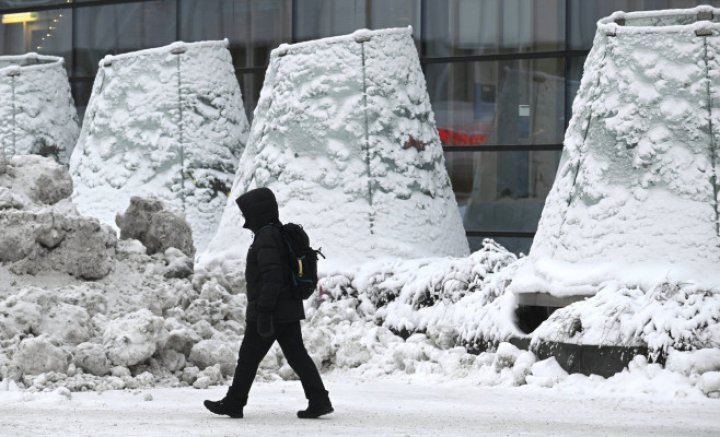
{"type": "Point", "coordinates": [265, 324]}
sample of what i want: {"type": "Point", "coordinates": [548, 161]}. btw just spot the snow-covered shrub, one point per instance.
{"type": "Point", "coordinates": [635, 199]}
{"type": "Point", "coordinates": [664, 317]}
{"type": "Point", "coordinates": [166, 122]}
{"type": "Point", "coordinates": [455, 301]}
{"type": "Point", "coordinates": [37, 112]}
{"type": "Point", "coordinates": [345, 136]}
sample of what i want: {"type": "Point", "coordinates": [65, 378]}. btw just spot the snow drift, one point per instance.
{"type": "Point", "coordinates": [37, 113]}
{"type": "Point", "coordinates": [345, 136]}
{"type": "Point", "coordinates": [166, 122]}
{"type": "Point", "coordinates": [635, 199]}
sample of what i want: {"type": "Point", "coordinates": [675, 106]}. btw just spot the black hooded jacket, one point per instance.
{"type": "Point", "coordinates": [267, 269]}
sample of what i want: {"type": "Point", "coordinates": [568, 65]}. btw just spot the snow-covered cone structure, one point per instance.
{"type": "Point", "coordinates": [165, 122]}
{"type": "Point", "coordinates": [345, 136]}
{"type": "Point", "coordinates": [37, 113]}
{"type": "Point", "coordinates": [636, 195]}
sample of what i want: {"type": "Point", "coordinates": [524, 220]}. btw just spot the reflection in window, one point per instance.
{"type": "Point", "coordinates": [114, 29]}
{"type": "Point", "coordinates": [321, 18]}
{"type": "Point", "coordinates": [254, 28]}
{"type": "Point", "coordinates": [502, 191]}
{"type": "Point", "coordinates": [47, 32]}
{"type": "Point", "coordinates": [474, 27]}
{"type": "Point", "coordinates": [499, 102]}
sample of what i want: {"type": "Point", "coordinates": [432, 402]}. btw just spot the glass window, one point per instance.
{"type": "Point", "coordinates": [122, 28]}
{"type": "Point", "coordinates": [254, 28]}
{"type": "Point", "coordinates": [502, 191]}
{"type": "Point", "coordinates": [46, 32]}
{"type": "Point", "coordinates": [321, 18]}
{"type": "Point", "coordinates": [575, 72]}
{"type": "Point", "coordinates": [81, 91]}
{"type": "Point", "coordinates": [584, 14]}
{"type": "Point", "coordinates": [250, 85]}
{"type": "Point", "coordinates": [476, 27]}
{"type": "Point", "coordinates": [498, 102]}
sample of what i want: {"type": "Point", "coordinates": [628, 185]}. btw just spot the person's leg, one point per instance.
{"type": "Point", "coordinates": [289, 337]}
{"type": "Point", "coordinates": [252, 350]}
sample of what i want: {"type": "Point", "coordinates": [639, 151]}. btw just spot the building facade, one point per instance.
{"type": "Point", "coordinates": [501, 74]}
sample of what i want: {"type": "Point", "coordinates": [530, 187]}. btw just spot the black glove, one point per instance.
{"type": "Point", "coordinates": [265, 324]}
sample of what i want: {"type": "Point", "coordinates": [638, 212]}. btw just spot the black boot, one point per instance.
{"type": "Point", "coordinates": [316, 407]}
{"type": "Point", "coordinates": [227, 407]}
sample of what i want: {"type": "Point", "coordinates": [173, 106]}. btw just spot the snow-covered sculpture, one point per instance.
{"type": "Point", "coordinates": [165, 122]}
{"type": "Point", "coordinates": [345, 136]}
{"type": "Point", "coordinates": [635, 199]}
{"type": "Point", "coordinates": [37, 113]}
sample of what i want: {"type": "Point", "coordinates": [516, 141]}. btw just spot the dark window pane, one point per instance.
{"type": "Point", "coordinates": [122, 28]}
{"type": "Point", "coordinates": [475, 27]}
{"type": "Point", "coordinates": [46, 32]}
{"type": "Point", "coordinates": [254, 28]}
{"type": "Point", "coordinates": [502, 191]}
{"type": "Point", "coordinates": [585, 13]}
{"type": "Point", "coordinates": [321, 18]}
{"type": "Point", "coordinates": [515, 245]}
{"type": "Point", "coordinates": [81, 91]}
{"type": "Point", "coordinates": [250, 85]}
{"type": "Point", "coordinates": [499, 102]}
{"type": "Point", "coordinates": [575, 72]}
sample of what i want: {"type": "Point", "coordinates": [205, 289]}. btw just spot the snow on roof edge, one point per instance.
{"type": "Point", "coordinates": [608, 23]}
{"type": "Point", "coordinates": [358, 35]}
{"type": "Point", "coordinates": [53, 62]}
{"type": "Point", "coordinates": [108, 59]}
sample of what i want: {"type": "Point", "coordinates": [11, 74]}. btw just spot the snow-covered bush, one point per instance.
{"type": "Point", "coordinates": [345, 136]}
{"type": "Point", "coordinates": [635, 199]}
{"type": "Point", "coordinates": [166, 122]}
{"type": "Point", "coordinates": [37, 112]}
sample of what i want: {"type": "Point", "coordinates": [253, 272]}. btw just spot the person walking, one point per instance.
{"type": "Point", "coordinates": [273, 312]}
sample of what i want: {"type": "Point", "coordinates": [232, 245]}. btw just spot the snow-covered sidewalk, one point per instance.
{"type": "Point", "coordinates": [386, 407]}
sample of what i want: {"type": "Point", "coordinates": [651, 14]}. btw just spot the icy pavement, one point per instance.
{"type": "Point", "coordinates": [387, 407]}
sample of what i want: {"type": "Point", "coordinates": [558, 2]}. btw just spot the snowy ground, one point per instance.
{"type": "Point", "coordinates": [387, 407]}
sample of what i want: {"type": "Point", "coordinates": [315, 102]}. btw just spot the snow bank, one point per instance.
{"type": "Point", "coordinates": [166, 122]}
{"type": "Point", "coordinates": [635, 199]}
{"type": "Point", "coordinates": [41, 228]}
{"type": "Point", "coordinates": [37, 112]}
{"type": "Point", "coordinates": [345, 136]}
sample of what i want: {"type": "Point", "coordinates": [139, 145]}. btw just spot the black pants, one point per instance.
{"type": "Point", "coordinates": [254, 348]}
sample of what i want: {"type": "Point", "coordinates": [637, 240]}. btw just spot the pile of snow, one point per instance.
{"type": "Point", "coordinates": [37, 112]}
{"type": "Point", "coordinates": [41, 229]}
{"type": "Point", "coordinates": [136, 328]}
{"type": "Point", "coordinates": [636, 195]}
{"type": "Point", "coordinates": [345, 136]}
{"type": "Point", "coordinates": [166, 122]}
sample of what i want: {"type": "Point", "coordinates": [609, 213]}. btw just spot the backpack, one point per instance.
{"type": "Point", "coordinates": [302, 258]}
